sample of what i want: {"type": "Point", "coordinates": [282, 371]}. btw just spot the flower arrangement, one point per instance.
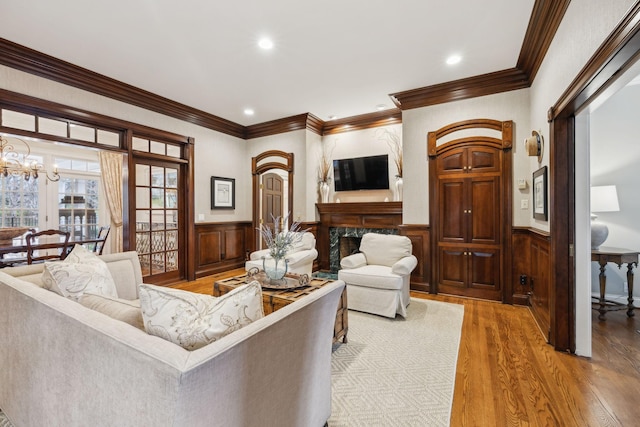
{"type": "Point", "coordinates": [392, 139]}
{"type": "Point", "coordinates": [278, 240]}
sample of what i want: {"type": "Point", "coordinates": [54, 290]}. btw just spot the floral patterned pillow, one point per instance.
{"type": "Point", "coordinates": [81, 271]}
{"type": "Point", "coordinates": [194, 320]}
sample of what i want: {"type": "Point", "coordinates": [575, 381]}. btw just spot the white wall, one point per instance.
{"type": "Point", "coordinates": [216, 154]}
{"type": "Point", "coordinates": [586, 24]}
{"type": "Point", "coordinates": [368, 142]}
{"type": "Point", "coordinates": [418, 122]}
{"type": "Point", "coordinates": [615, 159]}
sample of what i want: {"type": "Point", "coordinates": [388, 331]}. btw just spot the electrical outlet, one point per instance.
{"type": "Point", "coordinates": [524, 204]}
{"type": "Point", "coordinates": [523, 279]}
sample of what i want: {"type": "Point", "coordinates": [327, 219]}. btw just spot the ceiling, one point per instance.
{"type": "Point", "coordinates": [336, 58]}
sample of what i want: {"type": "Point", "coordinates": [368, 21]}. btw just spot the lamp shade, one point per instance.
{"type": "Point", "coordinates": [604, 199]}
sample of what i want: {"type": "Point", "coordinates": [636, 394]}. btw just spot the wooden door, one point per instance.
{"type": "Point", "coordinates": [272, 199]}
{"type": "Point", "coordinates": [471, 205]}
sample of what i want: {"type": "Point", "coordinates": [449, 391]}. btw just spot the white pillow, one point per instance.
{"type": "Point", "coordinates": [194, 320]}
{"type": "Point", "coordinates": [81, 271]}
{"type": "Point", "coordinates": [127, 311]}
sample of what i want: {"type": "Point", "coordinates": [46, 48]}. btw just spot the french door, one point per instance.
{"type": "Point", "coordinates": [159, 220]}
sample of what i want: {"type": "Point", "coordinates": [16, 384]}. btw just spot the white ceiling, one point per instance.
{"type": "Point", "coordinates": [336, 57]}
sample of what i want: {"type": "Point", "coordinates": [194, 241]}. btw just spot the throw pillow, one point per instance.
{"type": "Point", "coordinates": [117, 308]}
{"type": "Point", "coordinates": [194, 320]}
{"type": "Point", "coordinates": [81, 271]}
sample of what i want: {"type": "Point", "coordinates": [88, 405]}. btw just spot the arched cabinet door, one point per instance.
{"type": "Point", "coordinates": [469, 202]}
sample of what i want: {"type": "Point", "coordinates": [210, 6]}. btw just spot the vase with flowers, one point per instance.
{"type": "Point", "coordinates": [324, 174]}
{"type": "Point", "coordinates": [279, 241]}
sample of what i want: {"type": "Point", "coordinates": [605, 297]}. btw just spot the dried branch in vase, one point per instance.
{"type": "Point", "coordinates": [325, 166]}
{"type": "Point", "coordinates": [394, 142]}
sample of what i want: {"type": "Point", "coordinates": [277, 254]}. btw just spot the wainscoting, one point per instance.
{"type": "Point", "coordinates": [221, 246]}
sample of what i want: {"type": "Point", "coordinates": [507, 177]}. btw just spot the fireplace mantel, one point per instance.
{"type": "Point", "coordinates": [383, 215]}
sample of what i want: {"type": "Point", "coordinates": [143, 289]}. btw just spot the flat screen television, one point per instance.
{"type": "Point", "coordinates": [361, 173]}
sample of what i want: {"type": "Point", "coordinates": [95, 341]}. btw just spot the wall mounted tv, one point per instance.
{"type": "Point", "coordinates": [361, 173]}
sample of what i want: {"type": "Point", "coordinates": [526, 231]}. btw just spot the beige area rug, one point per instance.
{"type": "Point", "coordinates": [395, 372]}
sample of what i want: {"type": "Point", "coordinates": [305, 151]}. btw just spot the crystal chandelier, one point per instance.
{"type": "Point", "coordinates": [15, 163]}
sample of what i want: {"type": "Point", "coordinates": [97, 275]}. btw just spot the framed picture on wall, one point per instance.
{"type": "Point", "coordinates": [540, 210]}
{"type": "Point", "coordinates": [223, 193]}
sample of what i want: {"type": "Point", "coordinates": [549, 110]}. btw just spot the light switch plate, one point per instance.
{"type": "Point", "coordinates": [524, 204]}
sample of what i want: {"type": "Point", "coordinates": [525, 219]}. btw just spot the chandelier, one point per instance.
{"type": "Point", "coordinates": [15, 163]}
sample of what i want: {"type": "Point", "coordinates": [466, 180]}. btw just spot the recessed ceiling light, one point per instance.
{"type": "Point", "coordinates": [454, 59]}
{"type": "Point", "coordinates": [248, 112]}
{"type": "Point", "coordinates": [380, 107]}
{"type": "Point", "coordinates": [332, 117]}
{"type": "Point", "coordinates": [265, 43]}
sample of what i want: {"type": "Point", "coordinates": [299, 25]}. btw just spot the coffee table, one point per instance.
{"type": "Point", "coordinates": [274, 299]}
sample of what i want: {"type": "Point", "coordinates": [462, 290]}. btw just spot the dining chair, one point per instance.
{"type": "Point", "coordinates": [103, 233]}
{"type": "Point", "coordinates": [60, 244]}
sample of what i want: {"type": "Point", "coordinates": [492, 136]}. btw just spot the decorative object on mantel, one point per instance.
{"type": "Point", "coordinates": [279, 241]}
{"type": "Point", "coordinates": [394, 142]}
{"type": "Point", "coordinates": [15, 163]}
{"type": "Point", "coordinates": [324, 173]}
{"type": "Point", "coordinates": [603, 199]}
{"type": "Point", "coordinates": [534, 145]}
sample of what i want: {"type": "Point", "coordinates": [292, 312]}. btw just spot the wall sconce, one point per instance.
{"type": "Point", "coordinates": [534, 145]}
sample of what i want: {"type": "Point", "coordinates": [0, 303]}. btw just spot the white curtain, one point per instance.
{"type": "Point", "coordinates": [111, 169]}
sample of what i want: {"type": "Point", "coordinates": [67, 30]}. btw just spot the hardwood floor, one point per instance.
{"type": "Point", "coordinates": [507, 375]}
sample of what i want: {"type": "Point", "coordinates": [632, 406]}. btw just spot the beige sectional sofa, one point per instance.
{"type": "Point", "coordinates": [62, 364]}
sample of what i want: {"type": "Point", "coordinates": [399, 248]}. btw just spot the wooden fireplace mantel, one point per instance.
{"type": "Point", "coordinates": [357, 215]}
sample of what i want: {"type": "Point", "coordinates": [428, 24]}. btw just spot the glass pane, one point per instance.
{"type": "Point", "coordinates": [93, 167]}
{"type": "Point", "coordinates": [145, 264]}
{"type": "Point", "coordinates": [157, 220]}
{"type": "Point", "coordinates": [157, 263]}
{"type": "Point", "coordinates": [172, 261]}
{"type": "Point", "coordinates": [140, 144]}
{"type": "Point", "coordinates": [63, 163]}
{"type": "Point", "coordinates": [157, 176]}
{"type": "Point", "coordinates": [143, 197]}
{"type": "Point", "coordinates": [173, 151]}
{"type": "Point", "coordinates": [157, 198]}
{"type": "Point", "coordinates": [172, 178]}
{"type": "Point", "coordinates": [172, 199]}
{"type": "Point", "coordinates": [13, 119]}
{"type": "Point", "coordinates": [142, 243]}
{"type": "Point", "coordinates": [171, 221]}
{"type": "Point", "coordinates": [108, 138]}
{"type": "Point", "coordinates": [157, 241]}
{"type": "Point", "coordinates": [158, 147]}
{"type": "Point", "coordinates": [143, 175]}
{"type": "Point", "coordinates": [143, 220]}
{"type": "Point", "coordinates": [172, 240]}
{"type": "Point", "coordinates": [82, 133]}
{"type": "Point", "coordinates": [52, 127]}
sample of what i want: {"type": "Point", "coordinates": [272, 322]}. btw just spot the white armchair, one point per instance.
{"type": "Point", "coordinates": [300, 257]}
{"type": "Point", "coordinates": [378, 276]}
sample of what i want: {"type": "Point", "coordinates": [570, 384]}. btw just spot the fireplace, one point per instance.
{"type": "Point", "coordinates": [344, 241]}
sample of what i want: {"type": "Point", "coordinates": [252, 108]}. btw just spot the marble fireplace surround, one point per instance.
{"type": "Point", "coordinates": [352, 220]}
{"type": "Point", "coordinates": [338, 233]}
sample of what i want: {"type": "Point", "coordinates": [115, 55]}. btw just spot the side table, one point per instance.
{"type": "Point", "coordinates": [618, 256]}
{"type": "Point", "coordinates": [274, 299]}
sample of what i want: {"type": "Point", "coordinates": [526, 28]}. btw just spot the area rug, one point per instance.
{"type": "Point", "coordinates": [397, 372]}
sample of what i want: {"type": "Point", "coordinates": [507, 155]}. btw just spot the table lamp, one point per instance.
{"type": "Point", "coordinates": [603, 199]}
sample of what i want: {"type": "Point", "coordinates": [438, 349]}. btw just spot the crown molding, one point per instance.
{"type": "Point", "coordinates": [546, 17]}
{"type": "Point", "coordinates": [33, 62]}
{"type": "Point", "coordinates": [486, 84]}
{"type": "Point", "coordinates": [543, 24]}
{"type": "Point", "coordinates": [363, 121]}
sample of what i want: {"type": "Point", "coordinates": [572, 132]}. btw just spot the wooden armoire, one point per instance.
{"type": "Point", "coordinates": [471, 208]}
